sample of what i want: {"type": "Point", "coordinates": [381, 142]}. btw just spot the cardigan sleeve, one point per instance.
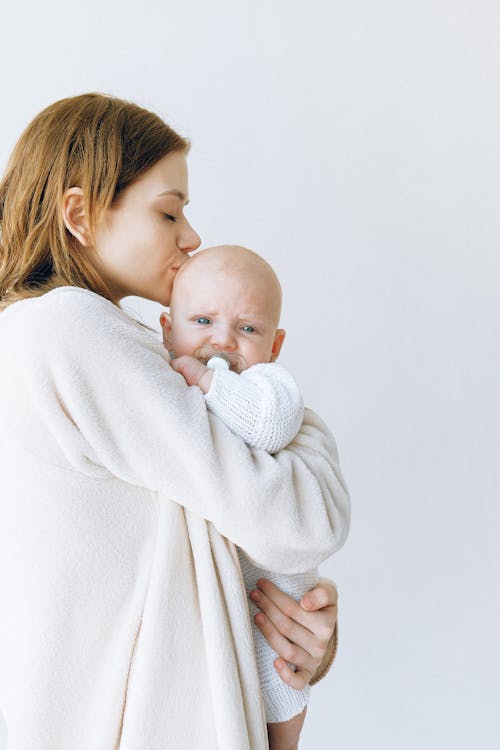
{"type": "Point", "coordinates": [262, 405]}
{"type": "Point", "coordinates": [109, 397]}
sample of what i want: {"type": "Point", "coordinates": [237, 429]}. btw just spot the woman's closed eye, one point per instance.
{"type": "Point", "coordinates": [170, 217]}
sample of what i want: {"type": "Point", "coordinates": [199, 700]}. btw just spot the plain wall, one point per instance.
{"type": "Point", "coordinates": [356, 145]}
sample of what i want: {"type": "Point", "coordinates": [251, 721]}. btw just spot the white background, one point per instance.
{"type": "Point", "coordinates": [356, 145]}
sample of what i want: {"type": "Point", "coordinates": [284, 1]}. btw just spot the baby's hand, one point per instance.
{"type": "Point", "coordinates": [194, 371]}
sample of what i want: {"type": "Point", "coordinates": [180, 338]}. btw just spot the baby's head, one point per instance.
{"type": "Point", "coordinates": [226, 300]}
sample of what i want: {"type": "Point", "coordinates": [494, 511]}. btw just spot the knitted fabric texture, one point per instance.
{"type": "Point", "coordinates": [263, 405]}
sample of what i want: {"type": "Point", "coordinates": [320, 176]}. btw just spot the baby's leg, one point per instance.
{"type": "Point", "coordinates": [281, 701]}
{"type": "Point", "coordinates": [285, 735]}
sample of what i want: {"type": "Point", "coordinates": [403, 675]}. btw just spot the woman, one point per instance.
{"type": "Point", "coordinates": [126, 620]}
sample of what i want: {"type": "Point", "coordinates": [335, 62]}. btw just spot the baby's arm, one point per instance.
{"type": "Point", "coordinates": [262, 405]}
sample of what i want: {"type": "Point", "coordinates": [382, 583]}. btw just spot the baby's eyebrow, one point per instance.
{"type": "Point", "coordinates": [257, 317]}
{"type": "Point", "coordinates": [178, 193]}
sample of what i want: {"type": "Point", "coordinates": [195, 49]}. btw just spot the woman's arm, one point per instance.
{"type": "Point", "coordinates": [110, 399]}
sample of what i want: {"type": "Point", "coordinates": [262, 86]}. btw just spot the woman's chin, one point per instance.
{"type": "Point", "coordinates": [161, 296]}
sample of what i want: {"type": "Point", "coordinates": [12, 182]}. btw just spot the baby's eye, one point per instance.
{"type": "Point", "coordinates": [248, 329]}
{"type": "Point", "coordinates": [203, 321]}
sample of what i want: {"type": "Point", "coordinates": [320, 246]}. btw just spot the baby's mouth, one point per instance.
{"type": "Point", "coordinates": [235, 361]}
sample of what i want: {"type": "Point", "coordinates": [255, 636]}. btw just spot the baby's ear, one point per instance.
{"type": "Point", "coordinates": [166, 324]}
{"type": "Point", "coordinates": [279, 337]}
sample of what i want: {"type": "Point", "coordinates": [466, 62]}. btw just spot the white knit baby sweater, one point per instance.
{"type": "Point", "coordinates": [124, 616]}
{"type": "Point", "coordinates": [264, 406]}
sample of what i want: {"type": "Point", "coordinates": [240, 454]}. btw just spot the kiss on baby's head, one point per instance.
{"type": "Point", "coordinates": [225, 300]}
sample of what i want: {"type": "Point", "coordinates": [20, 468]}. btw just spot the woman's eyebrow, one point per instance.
{"type": "Point", "coordinates": [178, 193]}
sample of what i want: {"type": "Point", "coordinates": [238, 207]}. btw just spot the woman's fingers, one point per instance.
{"type": "Point", "coordinates": [299, 635]}
{"type": "Point", "coordinates": [297, 680]}
{"type": "Point", "coordinates": [291, 640]}
{"type": "Point", "coordinates": [287, 652]}
{"type": "Point", "coordinates": [320, 623]}
{"type": "Point", "coordinates": [324, 594]}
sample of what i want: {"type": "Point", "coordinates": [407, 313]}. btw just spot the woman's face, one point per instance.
{"type": "Point", "coordinates": [142, 241]}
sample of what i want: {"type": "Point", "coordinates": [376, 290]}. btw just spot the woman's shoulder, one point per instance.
{"type": "Point", "coordinates": [71, 310]}
{"type": "Point", "coordinates": [73, 298]}
{"type": "Point", "coordinates": [69, 297]}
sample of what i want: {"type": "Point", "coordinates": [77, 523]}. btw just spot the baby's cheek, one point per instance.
{"type": "Point", "coordinates": [258, 353]}
{"type": "Point", "coordinates": [183, 343]}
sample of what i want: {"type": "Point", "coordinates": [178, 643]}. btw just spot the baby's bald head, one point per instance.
{"type": "Point", "coordinates": [234, 266]}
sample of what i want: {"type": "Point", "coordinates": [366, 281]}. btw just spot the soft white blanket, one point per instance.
{"type": "Point", "coordinates": [124, 617]}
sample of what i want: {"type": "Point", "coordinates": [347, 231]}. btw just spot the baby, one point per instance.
{"type": "Point", "coordinates": [222, 332]}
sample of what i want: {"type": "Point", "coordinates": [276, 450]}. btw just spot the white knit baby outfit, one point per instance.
{"type": "Point", "coordinates": [263, 405]}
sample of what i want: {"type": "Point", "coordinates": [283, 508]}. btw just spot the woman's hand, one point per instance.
{"type": "Point", "coordinates": [299, 632]}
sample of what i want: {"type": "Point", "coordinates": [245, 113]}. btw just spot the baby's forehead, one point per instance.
{"type": "Point", "coordinates": [250, 273]}
{"type": "Point", "coordinates": [241, 286]}
{"type": "Point", "coordinates": [232, 264]}
{"type": "Point", "coordinates": [230, 271]}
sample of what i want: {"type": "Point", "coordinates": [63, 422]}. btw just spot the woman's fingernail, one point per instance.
{"type": "Point", "coordinates": [254, 596]}
{"type": "Point", "coordinates": [260, 618]}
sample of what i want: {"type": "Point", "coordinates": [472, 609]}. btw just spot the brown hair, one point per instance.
{"type": "Point", "coordinates": [94, 141]}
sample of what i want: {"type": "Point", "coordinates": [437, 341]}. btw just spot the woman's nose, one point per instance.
{"type": "Point", "coordinates": [189, 240]}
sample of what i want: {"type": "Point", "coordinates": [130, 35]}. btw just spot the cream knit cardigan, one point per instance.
{"type": "Point", "coordinates": [124, 617]}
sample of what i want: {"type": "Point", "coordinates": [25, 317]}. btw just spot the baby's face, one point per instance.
{"type": "Point", "coordinates": [217, 311]}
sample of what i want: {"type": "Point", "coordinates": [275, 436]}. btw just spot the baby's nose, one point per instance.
{"type": "Point", "coordinates": [223, 339]}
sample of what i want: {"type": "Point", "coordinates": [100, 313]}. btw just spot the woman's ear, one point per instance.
{"type": "Point", "coordinates": [75, 216]}
{"type": "Point", "coordinates": [279, 337]}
